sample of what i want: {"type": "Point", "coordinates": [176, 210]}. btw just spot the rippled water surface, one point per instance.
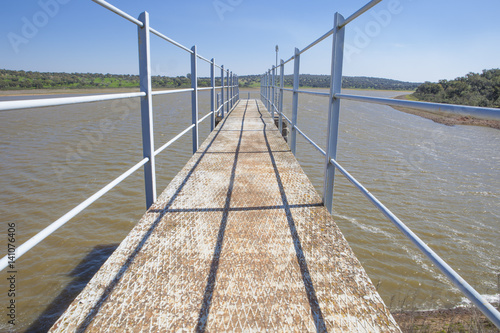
{"type": "Point", "coordinates": [443, 182]}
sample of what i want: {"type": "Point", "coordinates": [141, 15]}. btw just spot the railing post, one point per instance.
{"type": "Point", "coordinates": [268, 90]}
{"type": "Point", "coordinates": [227, 91]}
{"type": "Point", "coordinates": [222, 91]}
{"type": "Point", "coordinates": [194, 97]}
{"type": "Point", "coordinates": [333, 110]}
{"type": "Point", "coordinates": [280, 107]}
{"type": "Point", "coordinates": [295, 100]}
{"type": "Point", "coordinates": [273, 91]}
{"type": "Point", "coordinates": [212, 94]}
{"type": "Point", "coordinates": [265, 89]}
{"type": "Point", "coordinates": [218, 101]}
{"type": "Point", "coordinates": [147, 109]}
{"type": "Point", "coordinates": [261, 87]}
{"type": "Point", "coordinates": [232, 88]}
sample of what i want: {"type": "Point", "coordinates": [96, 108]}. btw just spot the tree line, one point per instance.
{"type": "Point", "coordinates": [323, 81]}
{"type": "Point", "coordinates": [14, 80]}
{"type": "Point", "coordinates": [472, 89]}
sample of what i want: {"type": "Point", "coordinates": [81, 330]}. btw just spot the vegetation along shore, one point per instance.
{"type": "Point", "coordinates": [473, 89]}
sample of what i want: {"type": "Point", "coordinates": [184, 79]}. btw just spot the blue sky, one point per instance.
{"type": "Point", "coordinates": [411, 40]}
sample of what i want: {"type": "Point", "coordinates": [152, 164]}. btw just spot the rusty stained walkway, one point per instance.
{"type": "Point", "coordinates": [238, 242]}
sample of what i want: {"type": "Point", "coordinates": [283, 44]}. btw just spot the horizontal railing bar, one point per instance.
{"type": "Point", "coordinates": [159, 150]}
{"type": "Point", "coordinates": [480, 112]}
{"type": "Point", "coordinates": [171, 91]}
{"type": "Point", "coordinates": [38, 103]}
{"type": "Point", "coordinates": [204, 59]}
{"type": "Point", "coordinates": [320, 39]}
{"type": "Point", "coordinates": [205, 117]}
{"type": "Point", "coordinates": [153, 31]}
{"type": "Point", "coordinates": [330, 32]}
{"type": "Point", "coordinates": [290, 59]}
{"type": "Point", "coordinates": [119, 12]}
{"type": "Point", "coordinates": [313, 93]}
{"type": "Point", "coordinates": [359, 12]}
{"type": "Point", "coordinates": [25, 247]}
{"type": "Point", "coordinates": [287, 119]}
{"type": "Point", "coordinates": [456, 279]}
{"type": "Point", "coordinates": [170, 40]}
{"type": "Point", "coordinates": [311, 141]}
{"type": "Point", "coordinates": [205, 88]}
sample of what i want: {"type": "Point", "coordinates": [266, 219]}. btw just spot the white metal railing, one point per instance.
{"type": "Point", "coordinates": [272, 97]}
{"type": "Point", "coordinates": [229, 84]}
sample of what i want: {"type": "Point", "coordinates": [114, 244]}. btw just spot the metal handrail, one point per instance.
{"type": "Point", "coordinates": [29, 244]}
{"type": "Point", "coordinates": [231, 84]}
{"type": "Point", "coordinates": [268, 88]}
{"type": "Point", "coordinates": [171, 91]}
{"type": "Point", "coordinates": [476, 111]}
{"type": "Point", "coordinates": [38, 103]}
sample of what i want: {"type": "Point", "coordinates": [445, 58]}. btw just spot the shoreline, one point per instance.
{"type": "Point", "coordinates": [458, 319]}
{"type": "Point", "coordinates": [447, 119]}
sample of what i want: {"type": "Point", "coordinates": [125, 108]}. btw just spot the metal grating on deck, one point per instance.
{"type": "Point", "coordinates": [238, 241]}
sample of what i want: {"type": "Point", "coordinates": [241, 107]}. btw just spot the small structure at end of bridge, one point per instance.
{"type": "Point", "coordinates": [239, 241]}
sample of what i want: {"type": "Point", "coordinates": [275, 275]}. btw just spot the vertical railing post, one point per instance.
{"type": "Point", "coordinates": [194, 97]}
{"type": "Point", "coordinates": [218, 101]}
{"type": "Point", "coordinates": [232, 88]}
{"type": "Point", "coordinates": [222, 91]}
{"type": "Point", "coordinates": [212, 94]}
{"type": "Point", "coordinates": [261, 87]}
{"type": "Point", "coordinates": [268, 90]}
{"type": "Point", "coordinates": [273, 91]}
{"type": "Point", "coordinates": [280, 94]}
{"type": "Point", "coordinates": [333, 110]}
{"type": "Point", "coordinates": [227, 91]}
{"type": "Point", "coordinates": [147, 109]}
{"type": "Point", "coordinates": [265, 89]}
{"type": "Point", "coordinates": [295, 100]}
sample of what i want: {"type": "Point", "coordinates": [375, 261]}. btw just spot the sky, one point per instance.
{"type": "Point", "coordinates": [409, 40]}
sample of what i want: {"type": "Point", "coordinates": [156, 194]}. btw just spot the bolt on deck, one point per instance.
{"type": "Point", "coordinates": [238, 241]}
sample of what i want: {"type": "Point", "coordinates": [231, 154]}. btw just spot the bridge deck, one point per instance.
{"type": "Point", "coordinates": [239, 241]}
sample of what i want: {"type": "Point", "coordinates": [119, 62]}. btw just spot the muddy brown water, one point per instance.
{"type": "Point", "coordinates": [442, 181]}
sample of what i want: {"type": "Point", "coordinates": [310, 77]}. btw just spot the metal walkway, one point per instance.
{"type": "Point", "coordinates": [238, 241]}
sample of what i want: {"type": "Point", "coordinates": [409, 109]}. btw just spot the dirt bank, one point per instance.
{"type": "Point", "coordinates": [448, 119]}
{"type": "Point", "coordinates": [460, 319]}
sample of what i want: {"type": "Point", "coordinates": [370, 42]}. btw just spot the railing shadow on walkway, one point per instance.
{"type": "Point", "coordinates": [95, 309]}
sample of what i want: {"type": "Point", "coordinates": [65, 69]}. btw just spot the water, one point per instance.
{"type": "Point", "coordinates": [443, 182]}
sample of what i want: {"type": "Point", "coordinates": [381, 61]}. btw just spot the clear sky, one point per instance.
{"type": "Point", "coordinates": [410, 40]}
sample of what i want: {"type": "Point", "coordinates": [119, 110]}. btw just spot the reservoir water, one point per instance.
{"type": "Point", "coordinates": [442, 181]}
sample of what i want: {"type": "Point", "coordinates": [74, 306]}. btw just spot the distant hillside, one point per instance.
{"type": "Point", "coordinates": [348, 82]}
{"type": "Point", "coordinates": [15, 80]}
{"type": "Point", "coordinates": [473, 89]}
